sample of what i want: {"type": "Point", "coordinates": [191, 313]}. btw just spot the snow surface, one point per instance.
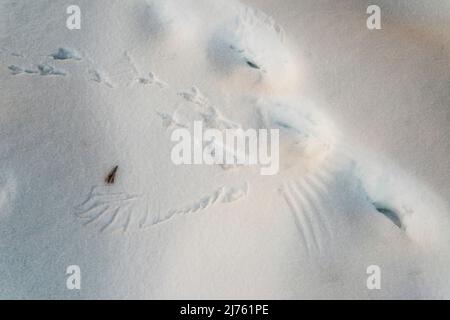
{"type": "Point", "coordinates": [364, 149]}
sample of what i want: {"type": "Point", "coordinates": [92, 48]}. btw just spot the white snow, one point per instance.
{"type": "Point", "coordinates": [364, 149]}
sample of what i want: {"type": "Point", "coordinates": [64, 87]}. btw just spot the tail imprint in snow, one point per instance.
{"type": "Point", "coordinates": [305, 199]}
